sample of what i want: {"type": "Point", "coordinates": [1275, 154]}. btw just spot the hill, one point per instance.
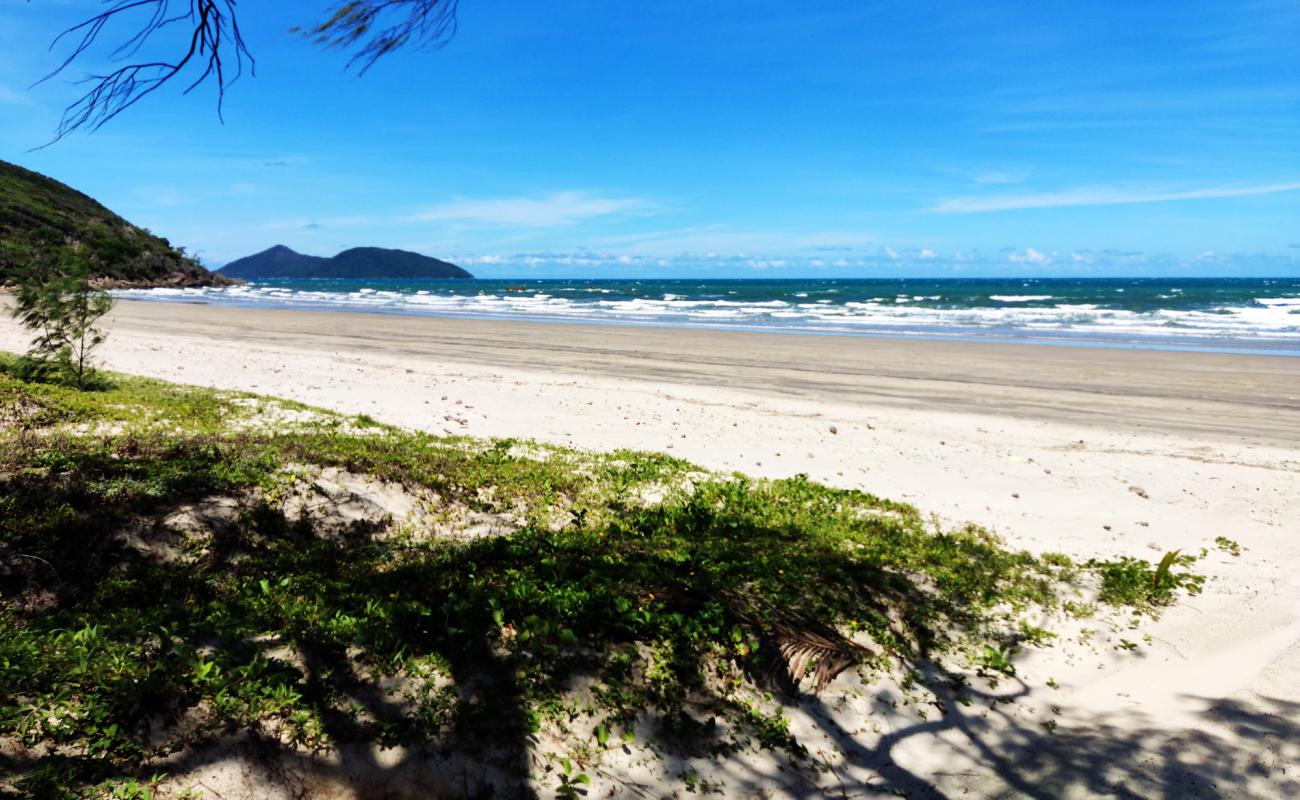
{"type": "Point", "coordinates": [359, 262]}
{"type": "Point", "coordinates": [277, 262]}
{"type": "Point", "coordinates": [39, 216]}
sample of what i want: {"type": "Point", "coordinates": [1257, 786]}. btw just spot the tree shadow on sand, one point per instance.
{"type": "Point", "coordinates": [256, 655]}
{"type": "Point", "coordinates": [1235, 748]}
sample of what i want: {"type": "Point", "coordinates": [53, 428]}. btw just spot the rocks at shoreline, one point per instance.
{"type": "Point", "coordinates": [184, 278]}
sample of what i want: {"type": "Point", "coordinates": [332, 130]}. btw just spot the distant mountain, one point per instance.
{"type": "Point", "coordinates": [39, 217]}
{"type": "Point", "coordinates": [277, 262]}
{"type": "Point", "coordinates": [359, 262]}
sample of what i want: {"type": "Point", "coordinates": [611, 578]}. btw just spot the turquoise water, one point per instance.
{"type": "Point", "coordinates": [1254, 315]}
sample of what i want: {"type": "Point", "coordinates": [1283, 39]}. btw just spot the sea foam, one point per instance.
{"type": "Point", "coordinates": [1270, 321]}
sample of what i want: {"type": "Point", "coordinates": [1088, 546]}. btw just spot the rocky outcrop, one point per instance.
{"type": "Point", "coordinates": [184, 278]}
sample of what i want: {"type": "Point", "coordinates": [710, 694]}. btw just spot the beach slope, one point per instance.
{"type": "Point", "coordinates": [1086, 451]}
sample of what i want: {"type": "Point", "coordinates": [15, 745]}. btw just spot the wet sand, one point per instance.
{"type": "Point", "coordinates": [1214, 394]}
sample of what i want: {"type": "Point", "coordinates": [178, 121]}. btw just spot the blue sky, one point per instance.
{"type": "Point", "coordinates": [730, 137]}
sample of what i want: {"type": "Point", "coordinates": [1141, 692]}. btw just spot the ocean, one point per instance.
{"type": "Point", "coordinates": [1255, 315]}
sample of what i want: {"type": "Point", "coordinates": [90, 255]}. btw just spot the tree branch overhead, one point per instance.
{"type": "Point", "coordinates": [214, 49]}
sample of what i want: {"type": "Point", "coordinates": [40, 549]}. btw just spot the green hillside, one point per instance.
{"type": "Point", "coordinates": [39, 216]}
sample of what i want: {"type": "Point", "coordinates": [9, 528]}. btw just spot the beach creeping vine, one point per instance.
{"type": "Point", "coordinates": [1135, 583]}
{"type": "Point", "coordinates": [168, 578]}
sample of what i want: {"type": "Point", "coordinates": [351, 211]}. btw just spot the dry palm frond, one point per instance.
{"type": "Point", "coordinates": [803, 644]}
{"type": "Point", "coordinates": [827, 652]}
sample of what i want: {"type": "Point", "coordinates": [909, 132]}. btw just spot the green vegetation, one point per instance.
{"type": "Point", "coordinates": [161, 586]}
{"type": "Point", "coordinates": [1136, 583]}
{"type": "Point", "coordinates": [40, 217]}
{"type": "Point", "coordinates": [1227, 545]}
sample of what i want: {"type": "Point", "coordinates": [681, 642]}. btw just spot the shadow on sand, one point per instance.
{"type": "Point", "coordinates": [1237, 749]}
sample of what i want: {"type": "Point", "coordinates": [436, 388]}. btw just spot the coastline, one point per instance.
{"type": "Point", "coordinates": [1240, 317]}
{"type": "Point", "coordinates": [932, 334]}
{"type": "Point", "coordinates": [1047, 446]}
{"type": "Point", "coordinates": [1220, 395]}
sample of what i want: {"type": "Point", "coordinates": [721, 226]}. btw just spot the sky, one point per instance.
{"type": "Point", "coordinates": [725, 138]}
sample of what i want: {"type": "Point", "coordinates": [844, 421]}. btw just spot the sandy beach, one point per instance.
{"type": "Point", "coordinates": [1091, 452]}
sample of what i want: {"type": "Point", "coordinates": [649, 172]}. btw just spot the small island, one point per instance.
{"type": "Point", "coordinates": [359, 262]}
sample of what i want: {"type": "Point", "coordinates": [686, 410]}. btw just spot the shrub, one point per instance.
{"type": "Point", "coordinates": [61, 308]}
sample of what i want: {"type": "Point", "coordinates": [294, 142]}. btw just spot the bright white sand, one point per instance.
{"type": "Point", "coordinates": [1045, 445]}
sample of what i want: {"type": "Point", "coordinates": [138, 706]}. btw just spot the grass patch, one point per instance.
{"type": "Point", "coordinates": [637, 592]}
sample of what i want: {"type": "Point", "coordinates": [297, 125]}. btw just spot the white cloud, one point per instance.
{"type": "Point", "coordinates": [552, 210]}
{"type": "Point", "coordinates": [1029, 256]}
{"type": "Point", "coordinates": [555, 209]}
{"type": "Point", "coordinates": [1009, 261]}
{"type": "Point", "coordinates": [713, 241]}
{"type": "Point", "coordinates": [1100, 196]}
{"type": "Point", "coordinates": [927, 253]}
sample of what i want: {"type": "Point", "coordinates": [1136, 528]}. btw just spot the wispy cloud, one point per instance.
{"type": "Point", "coordinates": [12, 97]}
{"type": "Point", "coordinates": [313, 223]}
{"type": "Point", "coordinates": [882, 261]}
{"type": "Point", "coordinates": [1000, 176]}
{"type": "Point", "coordinates": [1071, 107]}
{"type": "Point", "coordinates": [1067, 100]}
{"type": "Point", "coordinates": [1099, 196]}
{"type": "Point", "coordinates": [552, 210]}
{"type": "Point", "coordinates": [711, 240]}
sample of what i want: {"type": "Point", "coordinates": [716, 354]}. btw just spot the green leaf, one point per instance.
{"type": "Point", "coordinates": [1162, 571]}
